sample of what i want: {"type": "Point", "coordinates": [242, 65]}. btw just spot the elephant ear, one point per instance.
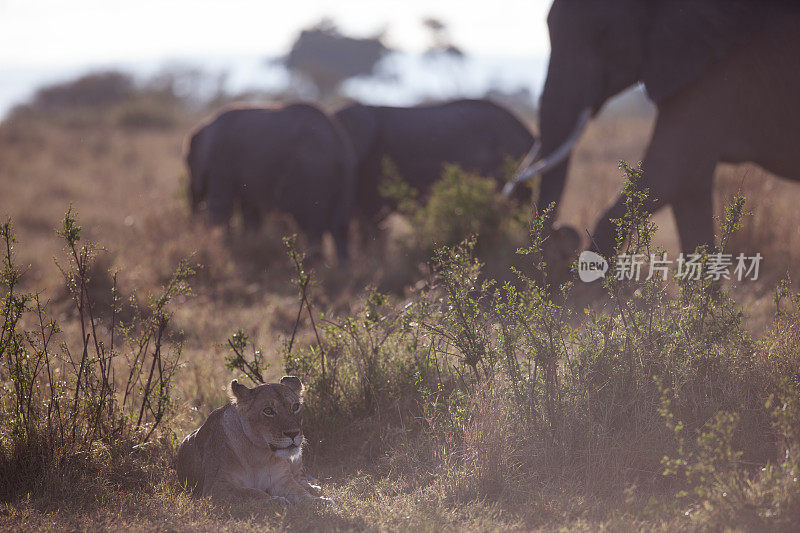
{"type": "Point", "coordinates": [686, 37]}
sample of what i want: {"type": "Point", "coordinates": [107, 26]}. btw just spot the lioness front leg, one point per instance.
{"type": "Point", "coordinates": [301, 475]}
{"type": "Point", "coordinates": [291, 489]}
{"type": "Point", "coordinates": [229, 492]}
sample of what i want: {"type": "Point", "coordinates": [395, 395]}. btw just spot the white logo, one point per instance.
{"type": "Point", "coordinates": [715, 266]}
{"type": "Point", "coordinates": [591, 266]}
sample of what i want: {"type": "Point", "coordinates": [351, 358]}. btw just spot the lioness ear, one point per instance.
{"type": "Point", "coordinates": [293, 382]}
{"type": "Point", "coordinates": [238, 391]}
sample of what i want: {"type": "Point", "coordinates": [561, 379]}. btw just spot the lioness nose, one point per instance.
{"type": "Point", "coordinates": [291, 434]}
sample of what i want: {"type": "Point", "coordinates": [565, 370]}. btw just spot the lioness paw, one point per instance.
{"type": "Point", "coordinates": [322, 501]}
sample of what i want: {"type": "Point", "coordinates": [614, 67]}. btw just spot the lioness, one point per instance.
{"type": "Point", "coordinates": [250, 448]}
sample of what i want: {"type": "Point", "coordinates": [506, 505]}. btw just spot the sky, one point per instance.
{"type": "Point", "coordinates": [40, 33]}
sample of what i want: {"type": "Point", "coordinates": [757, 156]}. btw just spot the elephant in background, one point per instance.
{"type": "Point", "coordinates": [724, 74]}
{"type": "Point", "coordinates": [293, 159]}
{"type": "Point", "coordinates": [477, 135]}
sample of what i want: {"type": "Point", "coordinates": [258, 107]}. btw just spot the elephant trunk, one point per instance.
{"type": "Point", "coordinates": [566, 107]}
{"type": "Point", "coordinates": [567, 104]}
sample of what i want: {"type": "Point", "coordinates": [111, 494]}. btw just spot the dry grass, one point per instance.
{"type": "Point", "coordinates": [126, 179]}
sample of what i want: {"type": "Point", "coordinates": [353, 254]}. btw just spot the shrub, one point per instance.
{"type": "Point", "coordinates": [64, 400]}
{"type": "Point", "coordinates": [94, 89]}
{"type": "Point", "coordinates": [108, 98]}
{"type": "Point", "coordinates": [459, 205]}
{"type": "Point", "coordinates": [462, 204]}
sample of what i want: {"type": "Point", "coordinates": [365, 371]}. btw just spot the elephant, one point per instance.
{"type": "Point", "coordinates": [293, 159]}
{"type": "Point", "coordinates": [478, 135]}
{"type": "Point", "coordinates": [724, 75]}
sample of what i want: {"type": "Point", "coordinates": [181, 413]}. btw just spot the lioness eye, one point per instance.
{"type": "Point", "coordinates": [295, 407]}
{"type": "Point", "coordinates": [269, 411]}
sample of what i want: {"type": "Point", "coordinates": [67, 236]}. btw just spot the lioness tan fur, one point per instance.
{"type": "Point", "coordinates": [250, 448]}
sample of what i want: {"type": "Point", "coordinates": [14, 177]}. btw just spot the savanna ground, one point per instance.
{"type": "Point", "coordinates": [436, 399]}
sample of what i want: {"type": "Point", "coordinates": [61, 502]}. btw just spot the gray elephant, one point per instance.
{"type": "Point", "coordinates": [725, 75]}
{"type": "Point", "coordinates": [293, 159]}
{"type": "Point", "coordinates": [478, 135]}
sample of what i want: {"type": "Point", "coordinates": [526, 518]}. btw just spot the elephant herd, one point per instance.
{"type": "Point", "coordinates": [724, 74]}
{"type": "Point", "coordinates": [323, 169]}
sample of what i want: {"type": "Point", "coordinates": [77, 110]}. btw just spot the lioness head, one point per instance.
{"type": "Point", "coordinates": [272, 414]}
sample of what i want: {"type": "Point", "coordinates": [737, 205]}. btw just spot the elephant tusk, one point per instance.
{"type": "Point", "coordinates": [530, 157]}
{"type": "Point", "coordinates": [527, 161]}
{"type": "Point", "coordinates": [554, 158]}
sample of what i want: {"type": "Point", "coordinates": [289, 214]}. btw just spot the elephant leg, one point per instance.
{"type": "Point", "coordinates": [340, 235]}
{"type": "Point", "coordinates": [692, 209]}
{"type": "Point", "coordinates": [251, 217]}
{"type": "Point", "coordinates": [605, 233]}
{"type": "Point", "coordinates": [604, 237]}
{"type": "Point", "coordinates": [678, 170]}
{"type": "Point", "coordinates": [312, 227]}
{"type": "Point", "coordinates": [680, 161]}
{"type": "Point", "coordinates": [341, 217]}
{"type": "Point", "coordinates": [219, 213]}
{"type": "Point", "coordinates": [694, 216]}
{"type": "Point", "coordinates": [691, 200]}
{"type": "Point", "coordinates": [220, 199]}
{"type": "Point", "coordinates": [315, 250]}
{"type": "Point", "coordinates": [368, 230]}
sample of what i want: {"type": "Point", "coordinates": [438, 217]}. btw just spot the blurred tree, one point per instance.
{"type": "Point", "coordinates": [441, 42]}
{"type": "Point", "coordinates": [326, 57]}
